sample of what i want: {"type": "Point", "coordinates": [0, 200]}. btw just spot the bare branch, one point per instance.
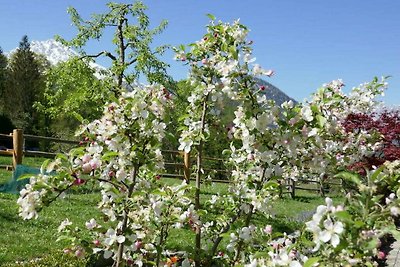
{"type": "Point", "coordinates": [132, 61]}
{"type": "Point", "coordinates": [105, 53]}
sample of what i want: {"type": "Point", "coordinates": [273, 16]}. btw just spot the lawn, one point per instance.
{"type": "Point", "coordinates": [27, 240]}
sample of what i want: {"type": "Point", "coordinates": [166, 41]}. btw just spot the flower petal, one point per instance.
{"type": "Point", "coordinates": [338, 227]}
{"type": "Point", "coordinates": [335, 240]}
{"type": "Point", "coordinates": [120, 239]}
{"type": "Point", "coordinates": [325, 236]}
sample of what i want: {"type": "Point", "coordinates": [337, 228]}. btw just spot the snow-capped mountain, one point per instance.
{"type": "Point", "coordinates": [54, 51]}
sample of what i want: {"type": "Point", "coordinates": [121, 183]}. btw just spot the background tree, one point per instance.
{"type": "Point", "coordinates": [3, 77]}
{"type": "Point", "coordinates": [72, 92]}
{"type": "Point", "coordinates": [6, 126]}
{"type": "Point", "coordinates": [385, 124]}
{"type": "Point", "coordinates": [25, 85]}
{"type": "Point", "coordinates": [133, 57]}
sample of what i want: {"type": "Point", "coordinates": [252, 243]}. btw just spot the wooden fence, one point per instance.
{"type": "Point", "coordinates": [177, 163]}
{"type": "Point", "coordinates": [19, 151]}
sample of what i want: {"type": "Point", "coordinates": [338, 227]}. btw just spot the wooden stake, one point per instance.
{"type": "Point", "coordinates": [18, 145]}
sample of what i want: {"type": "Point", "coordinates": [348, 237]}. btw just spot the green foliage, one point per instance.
{"type": "Point", "coordinates": [133, 56]}
{"type": "Point", "coordinates": [3, 76]}
{"type": "Point", "coordinates": [25, 84]}
{"type": "Point", "coordinates": [72, 92]}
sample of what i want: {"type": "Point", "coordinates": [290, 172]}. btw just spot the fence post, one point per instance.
{"type": "Point", "coordinates": [293, 188]}
{"type": "Point", "coordinates": [321, 188]}
{"type": "Point", "coordinates": [186, 167]}
{"type": "Point", "coordinates": [18, 147]}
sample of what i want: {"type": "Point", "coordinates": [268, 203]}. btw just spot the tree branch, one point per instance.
{"type": "Point", "coordinates": [105, 53]}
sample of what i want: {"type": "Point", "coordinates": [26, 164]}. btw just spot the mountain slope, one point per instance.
{"type": "Point", "coordinates": [274, 93]}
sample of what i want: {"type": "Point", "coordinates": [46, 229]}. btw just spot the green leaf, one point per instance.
{"type": "Point", "coordinates": [225, 235]}
{"type": "Point", "coordinates": [211, 16]}
{"type": "Point", "coordinates": [343, 216]}
{"type": "Point", "coordinates": [234, 52]}
{"type": "Point", "coordinates": [44, 165]}
{"type": "Point", "coordinates": [321, 120]}
{"type": "Point", "coordinates": [78, 117]}
{"type": "Point", "coordinates": [372, 244]}
{"type": "Point", "coordinates": [314, 108]}
{"type": "Point", "coordinates": [311, 261]}
{"type": "Point", "coordinates": [160, 192]}
{"type": "Point", "coordinates": [392, 229]}
{"type": "Point", "coordinates": [349, 176]}
{"type": "Point", "coordinates": [376, 173]}
{"type": "Point", "coordinates": [359, 224]}
{"type": "Point", "coordinates": [77, 152]}
{"type": "Point", "coordinates": [261, 254]}
{"type": "Point", "coordinates": [25, 176]}
{"type": "Point", "coordinates": [62, 156]}
{"type": "Point", "coordinates": [109, 155]}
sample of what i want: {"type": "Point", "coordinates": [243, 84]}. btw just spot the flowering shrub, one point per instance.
{"type": "Point", "coordinates": [270, 145]}
{"type": "Point", "coordinates": [348, 234]}
{"type": "Point", "coordinates": [122, 155]}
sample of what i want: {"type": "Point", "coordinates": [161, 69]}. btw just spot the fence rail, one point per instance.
{"type": "Point", "coordinates": [177, 170]}
{"type": "Point", "coordinates": [18, 152]}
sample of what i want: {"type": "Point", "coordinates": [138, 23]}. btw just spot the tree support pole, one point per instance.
{"type": "Point", "coordinates": [18, 145]}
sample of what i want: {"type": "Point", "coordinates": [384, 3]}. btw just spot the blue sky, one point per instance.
{"type": "Point", "coordinates": [307, 42]}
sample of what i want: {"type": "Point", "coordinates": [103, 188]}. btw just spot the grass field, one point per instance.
{"type": "Point", "coordinates": [26, 240]}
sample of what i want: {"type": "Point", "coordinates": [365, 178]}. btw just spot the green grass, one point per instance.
{"type": "Point", "coordinates": [5, 175]}
{"type": "Point", "coordinates": [28, 240]}
{"type": "Point", "coordinates": [23, 240]}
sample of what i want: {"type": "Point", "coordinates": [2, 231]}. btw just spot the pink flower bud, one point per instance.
{"type": "Point", "coordinates": [94, 164]}
{"type": "Point", "coordinates": [79, 253]}
{"type": "Point", "coordinates": [262, 87]}
{"type": "Point", "coordinates": [86, 158]}
{"type": "Point", "coordinates": [79, 181]}
{"type": "Point", "coordinates": [86, 168]}
{"type": "Point", "coordinates": [292, 254]}
{"type": "Point", "coordinates": [138, 244]}
{"type": "Point", "coordinates": [97, 242]}
{"type": "Point", "coordinates": [250, 156]}
{"type": "Point", "coordinates": [381, 255]}
{"type": "Point", "coordinates": [268, 229]}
